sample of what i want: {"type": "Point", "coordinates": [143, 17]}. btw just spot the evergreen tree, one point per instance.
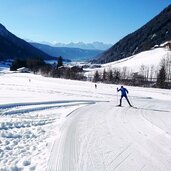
{"type": "Point", "coordinates": [104, 76]}
{"type": "Point", "coordinates": [17, 63]}
{"type": "Point", "coordinates": [110, 76]}
{"type": "Point", "coordinates": [161, 77]}
{"type": "Point", "coordinates": [96, 77]}
{"type": "Point", "coordinates": [60, 62]}
{"type": "Point", "coordinates": [117, 76]}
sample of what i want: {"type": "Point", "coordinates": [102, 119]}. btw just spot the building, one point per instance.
{"type": "Point", "coordinates": [23, 70]}
{"type": "Point", "coordinates": [166, 45]}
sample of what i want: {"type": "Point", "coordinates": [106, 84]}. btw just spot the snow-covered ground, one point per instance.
{"type": "Point", "coordinates": [149, 59]}
{"type": "Point", "coordinates": [56, 124]}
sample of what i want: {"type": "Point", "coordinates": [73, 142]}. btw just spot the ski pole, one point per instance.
{"type": "Point", "coordinates": [130, 100]}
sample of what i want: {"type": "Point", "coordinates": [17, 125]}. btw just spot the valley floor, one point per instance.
{"type": "Point", "coordinates": [55, 124]}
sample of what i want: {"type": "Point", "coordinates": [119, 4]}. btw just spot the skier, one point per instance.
{"type": "Point", "coordinates": [124, 93]}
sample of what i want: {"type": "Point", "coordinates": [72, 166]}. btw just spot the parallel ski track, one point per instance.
{"type": "Point", "coordinates": [117, 139]}
{"type": "Point", "coordinates": [21, 108]}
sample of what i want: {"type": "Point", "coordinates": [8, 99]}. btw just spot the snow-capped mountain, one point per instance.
{"type": "Point", "coordinates": [82, 45]}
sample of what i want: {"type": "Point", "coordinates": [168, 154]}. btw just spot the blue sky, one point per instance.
{"type": "Point", "coordinates": [77, 20]}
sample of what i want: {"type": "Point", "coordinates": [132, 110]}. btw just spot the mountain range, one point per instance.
{"type": "Point", "coordinates": [12, 47]}
{"type": "Point", "coordinates": [155, 32]}
{"type": "Point", "coordinates": [74, 54]}
{"type": "Point", "coordinates": [81, 45]}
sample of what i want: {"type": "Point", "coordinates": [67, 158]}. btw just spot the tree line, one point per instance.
{"type": "Point", "coordinates": [56, 70]}
{"type": "Point", "coordinates": [148, 76]}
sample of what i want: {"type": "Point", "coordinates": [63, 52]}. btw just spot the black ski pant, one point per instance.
{"type": "Point", "coordinates": [126, 99]}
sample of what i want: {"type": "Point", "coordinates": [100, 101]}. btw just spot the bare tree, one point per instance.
{"type": "Point", "coordinates": [125, 72]}
{"type": "Point", "coordinates": [151, 73]}
{"type": "Point", "coordinates": [145, 72]}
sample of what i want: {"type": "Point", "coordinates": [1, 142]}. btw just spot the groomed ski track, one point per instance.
{"type": "Point", "coordinates": [102, 137]}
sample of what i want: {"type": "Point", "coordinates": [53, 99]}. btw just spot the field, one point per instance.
{"type": "Point", "coordinates": [56, 124]}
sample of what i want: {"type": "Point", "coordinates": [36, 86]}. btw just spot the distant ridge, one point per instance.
{"type": "Point", "coordinates": [74, 54]}
{"type": "Point", "coordinates": [155, 32]}
{"type": "Point", "coordinates": [89, 46]}
{"type": "Point", "coordinates": [13, 47]}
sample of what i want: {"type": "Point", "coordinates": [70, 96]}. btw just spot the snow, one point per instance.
{"type": "Point", "coordinates": [4, 67]}
{"type": "Point", "coordinates": [133, 63]}
{"type": "Point", "coordinates": [56, 124]}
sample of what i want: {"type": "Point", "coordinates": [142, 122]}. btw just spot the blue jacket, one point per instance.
{"type": "Point", "coordinates": [123, 90]}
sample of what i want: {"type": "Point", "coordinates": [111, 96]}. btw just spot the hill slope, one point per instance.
{"type": "Point", "coordinates": [150, 58]}
{"type": "Point", "coordinates": [153, 33]}
{"type": "Point", "coordinates": [13, 47]}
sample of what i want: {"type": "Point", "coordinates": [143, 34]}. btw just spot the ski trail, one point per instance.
{"type": "Point", "coordinates": [12, 105]}
{"type": "Point", "coordinates": [101, 137]}
{"type": "Point", "coordinates": [27, 127]}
